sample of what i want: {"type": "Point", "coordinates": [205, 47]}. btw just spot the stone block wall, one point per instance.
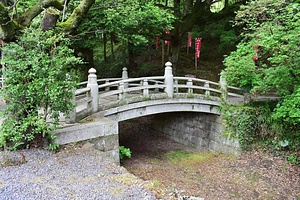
{"type": "Point", "coordinates": [201, 131]}
{"type": "Point", "coordinates": [101, 132]}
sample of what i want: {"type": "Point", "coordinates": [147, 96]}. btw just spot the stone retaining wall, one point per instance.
{"type": "Point", "coordinates": [198, 130]}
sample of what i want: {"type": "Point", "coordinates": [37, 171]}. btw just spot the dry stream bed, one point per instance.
{"type": "Point", "coordinates": [173, 170]}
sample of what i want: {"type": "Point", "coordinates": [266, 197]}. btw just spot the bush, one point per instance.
{"type": "Point", "coordinates": [36, 87]}
{"type": "Point", "coordinates": [273, 28]}
{"type": "Point", "coordinates": [124, 152]}
{"type": "Point", "coordinates": [254, 125]}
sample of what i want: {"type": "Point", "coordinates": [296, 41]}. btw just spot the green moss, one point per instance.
{"type": "Point", "coordinates": [180, 156]}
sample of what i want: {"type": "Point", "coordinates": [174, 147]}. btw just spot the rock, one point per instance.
{"type": "Point", "coordinates": [190, 198]}
{"type": "Point", "coordinates": [88, 146]}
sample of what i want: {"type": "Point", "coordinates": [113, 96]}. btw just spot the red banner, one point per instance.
{"type": "Point", "coordinates": [198, 42]}
{"type": "Point", "coordinates": [167, 42]}
{"type": "Point", "coordinates": [255, 58]}
{"type": "Point", "coordinates": [190, 39]}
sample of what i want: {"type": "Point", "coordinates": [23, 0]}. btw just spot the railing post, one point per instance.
{"type": "Point", "coordinates": [92, 83]}
{"type": "Point", "coordinates": [125, 76]}
{"type": "Point", "coordinates": [145, 90]}
{"type": "Point", "coordinates": [176, 86]}
{"type": "Point", "coordinates": [206, 85]}
{"type": "Point", "coordinates": [121, 87]}
{"type": "Point", "coordinates": [169, 89]}
{"type": "Point", "coordinates": [190, 83]}
{"type": "Point", "coordinates": [107, 88]}
{"type": "Point", "coordinates": [223, 86]}
{"type": "Point", "coordinates": [156, 87]}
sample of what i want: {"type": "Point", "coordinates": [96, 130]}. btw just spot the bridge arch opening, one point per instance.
{"type": "Point", "coordinates": [144, 141]}
{"type": "Point", "coordinates": [189, 130]}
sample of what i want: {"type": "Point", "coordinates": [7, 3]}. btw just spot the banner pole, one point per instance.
{"type": "Point", "coordinates": [196, 62]}
{"type": "Point", "coordinates": [163, 53]}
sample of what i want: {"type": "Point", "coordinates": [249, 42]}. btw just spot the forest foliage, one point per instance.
{"type": "Point", "coordinates": [267, 62]}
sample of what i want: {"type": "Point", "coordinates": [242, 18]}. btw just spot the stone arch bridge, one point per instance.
{"type": "Point", "coordinates": [190, 107]}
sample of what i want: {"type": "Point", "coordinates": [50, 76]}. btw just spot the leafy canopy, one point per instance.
{"type": "Point", "coordinates": [131, 20]}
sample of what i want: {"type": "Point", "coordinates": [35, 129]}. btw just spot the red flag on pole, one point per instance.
{"type": "Point", "coordinates": [198, 47]}
{"type": "Point", "coordinates": [189, 39]}
{"type": "Point", "coordinates": [167, 42]}
{"type": "Point", "coordinates": [255, 58]}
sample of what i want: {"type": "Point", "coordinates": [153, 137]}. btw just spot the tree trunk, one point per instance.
{"type": "Point", "coordinates": [78, 15]}
{"type": "Point", "coordinates": [7, 25]}
{"type": "Point", "coordinates": [176, 46]}
{"type": "Point", "coordinates": [88, 55]}
{"type": "Point", "coordinates": [163, 53]}
{"type": "Point", "coordinates": [49, 20]}
{"type": "Point", "coordinates": [131, 62]}
{"type": "Point", "coordinates": [104, 47]}
{"type": "Point", "coordinates": [4, 2]}
{"type": "Point", "coordinates": [112, 39]}
{"type": "Point", "coordinates": [26, 18]}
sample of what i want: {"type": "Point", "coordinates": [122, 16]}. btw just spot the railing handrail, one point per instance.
{"type": "Point", "coordinates": [196, 80]}
{"type": "Point", "coordinates": [82, 91]}
{"type": "Point", "coordinates": [235, 88]}
{"type": "Point", "coordinates": [100, 80]}
{"type": "Point", "coordinates": [198, 87]}
{"type": "Point", "coordinates": [117, 83]}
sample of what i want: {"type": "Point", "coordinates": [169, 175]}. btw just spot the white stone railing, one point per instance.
{"type": "Point", "coordinates": [116, 89]}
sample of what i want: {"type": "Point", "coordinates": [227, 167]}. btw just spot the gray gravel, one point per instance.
{"type": "Point", "coordinates": [73, 173]}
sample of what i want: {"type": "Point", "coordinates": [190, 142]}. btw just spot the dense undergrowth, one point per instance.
{"type": "Point", "coordinates": [255, 127]}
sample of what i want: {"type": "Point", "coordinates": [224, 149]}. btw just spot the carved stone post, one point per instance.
{"type": "Point", "coordinates": [190, 83]}
{"type": "Point", "coordinates": [125, 76]}
{"type": "Point", "coordinates": [92, 83]}
{"type": "Point", "coordinates": [223, 86]}
{"type": "Point", "coordinates": [107, 88]}
{"type": "Point", "coordinates": [169, 82]}
{"type": "Point", "coordinates": [206, 85]}
{"type": "Point", "coordinates": [121, 87]}
{"type": "Point", "coordinates": [146, 90]}
{"type": "Point", "coordinates": [176, 86]}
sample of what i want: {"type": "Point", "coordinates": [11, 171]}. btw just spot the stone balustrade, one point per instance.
{"type": "Point", "coordinates": [113, 90]}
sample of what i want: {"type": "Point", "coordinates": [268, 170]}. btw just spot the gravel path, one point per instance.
{"type": "Point", "coordinates": [72, 173]}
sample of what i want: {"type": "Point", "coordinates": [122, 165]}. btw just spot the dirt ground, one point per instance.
{"type": "Point", "coordinates": [173, 170]}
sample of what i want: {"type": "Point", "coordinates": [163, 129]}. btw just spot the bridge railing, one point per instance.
{"type": "Point", "coordinates": [99, 93]}
{"type": "Point", "coordinates": [133, 85]}
{"type": "Point", "coordinates": [196, 86]}
{"type": "Point", "coordinates": [99, 81]}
